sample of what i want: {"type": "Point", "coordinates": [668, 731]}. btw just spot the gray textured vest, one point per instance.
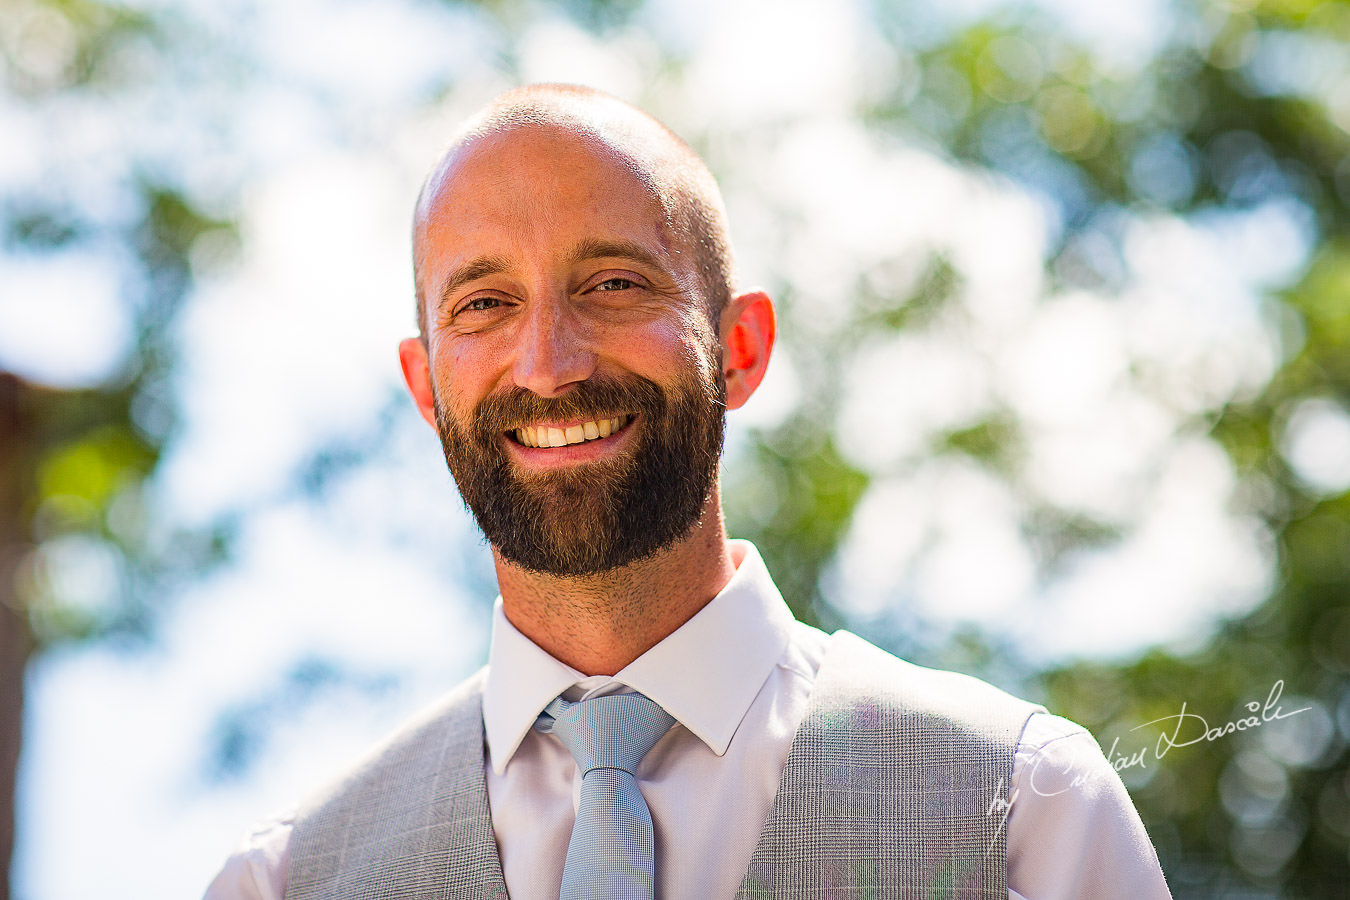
{"type": "Point", "coordinates": [889, 790]}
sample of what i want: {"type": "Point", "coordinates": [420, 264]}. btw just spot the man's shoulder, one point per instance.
{"type": "Point", "coordinates": [894, 762]}
{"type": "Point", "coordinates": [451, 725]}
{"type": "Point", "coordinates": [390, 819]}
{"type": "Point", "coordinates": [284, 855]}
{"type": "Point", "coordinates": [378, 819]}
{"type": "Point", "coordinates": [855, 673]}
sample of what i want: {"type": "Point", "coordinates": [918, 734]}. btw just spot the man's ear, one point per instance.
{"type": "Point", "coordinates": [748, 331]}
{"type": "Point", "coordinates": [412, 355]}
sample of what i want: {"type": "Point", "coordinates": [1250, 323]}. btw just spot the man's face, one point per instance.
{"type": "Point", "coordinates": [576, 376]}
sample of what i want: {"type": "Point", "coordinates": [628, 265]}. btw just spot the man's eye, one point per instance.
{"type": "Point", "coordinates": [615, 284]}
{"type": "Point", "coordinates": [479, 304]}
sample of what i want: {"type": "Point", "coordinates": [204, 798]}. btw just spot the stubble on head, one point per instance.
{"type": "Point", "coordinates": [682, 183]}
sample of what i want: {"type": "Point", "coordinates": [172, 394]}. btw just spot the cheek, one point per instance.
{"type": "Point", "coordinates": [463, 372]}
{"type": "Point", "coordinates": [670, 346]}
{"type": "Point", "coordinates": [703, 352]}
{"type": "Point", "coordinates": [448, 391]}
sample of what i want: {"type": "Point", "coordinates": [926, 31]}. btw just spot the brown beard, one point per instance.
{"type": "Point", "coordinates": [591, 517]}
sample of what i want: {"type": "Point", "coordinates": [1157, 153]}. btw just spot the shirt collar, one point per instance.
{"type": "Point", "coordinates": [706, 673]}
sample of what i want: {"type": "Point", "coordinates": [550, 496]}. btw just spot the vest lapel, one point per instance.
{"type": "Point", "coordinates": [411, 825]}
{"type": "Point", "coordinates": [888, 783]}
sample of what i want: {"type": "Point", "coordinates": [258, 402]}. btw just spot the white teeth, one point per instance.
{"type": "Point", "coordinates": [539, 436]}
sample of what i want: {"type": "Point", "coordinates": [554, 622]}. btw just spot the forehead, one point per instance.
{"type": "Point", "coordinates": [536, 191]}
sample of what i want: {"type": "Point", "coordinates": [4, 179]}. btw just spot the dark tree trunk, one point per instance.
{"type": "Point", "coordinates": [14, 647]}
{"type": "Point", "coordinates": [16, 445]}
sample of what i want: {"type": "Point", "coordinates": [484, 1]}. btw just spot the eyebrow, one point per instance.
{"type": "Point", "coordinates": [598, 248]}
{"type": "Point", "coordinates": [587, 249]}
{"type": "Point", "coordinates": [474, 269]}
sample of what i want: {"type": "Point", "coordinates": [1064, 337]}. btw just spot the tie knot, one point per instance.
{"type": "Point", "coordinates": [612, 732]}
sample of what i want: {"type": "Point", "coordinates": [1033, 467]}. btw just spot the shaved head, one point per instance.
{"type": "Point", "coordinates": [695, 219]}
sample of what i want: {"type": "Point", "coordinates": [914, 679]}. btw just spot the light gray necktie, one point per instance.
{"type": "Point", "coordinates": [611, 852]}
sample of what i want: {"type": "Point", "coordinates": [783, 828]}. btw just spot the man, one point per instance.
{"type": "Point", "coordinates": [652, 720]}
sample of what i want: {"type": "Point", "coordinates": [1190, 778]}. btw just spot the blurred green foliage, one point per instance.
{"type": "Point", "coordinates": [53, 46]}
{"type": "Point", "coordinates": [1223, 118]}
{"type": "Point", "coordinates": [799, 493]}
{"type": "Point", "coordinates": [89, 452]}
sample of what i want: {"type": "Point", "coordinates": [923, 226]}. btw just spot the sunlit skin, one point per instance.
{"type": "Point", "coordinates": [546, 259]}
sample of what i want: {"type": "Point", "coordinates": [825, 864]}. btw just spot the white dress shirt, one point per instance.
{"type": "Point", "coordinates": [737, 678]}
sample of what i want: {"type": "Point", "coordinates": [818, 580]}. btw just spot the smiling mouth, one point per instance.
{"type": "Point", "coordinates": [546, 436]}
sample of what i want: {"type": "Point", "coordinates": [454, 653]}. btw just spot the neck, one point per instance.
{"type": "Point", "coordinates": [597, 624]}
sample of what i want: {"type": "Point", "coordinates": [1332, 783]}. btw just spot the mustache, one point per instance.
{"type": "Point", "coordinates": [598, 397]}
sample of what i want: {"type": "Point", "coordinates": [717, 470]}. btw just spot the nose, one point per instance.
{"type": "Point", "coordinates": [553, 349]}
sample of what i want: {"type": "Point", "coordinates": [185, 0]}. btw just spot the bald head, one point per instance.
{"type": "Point", "coordinates": [679, 182]}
